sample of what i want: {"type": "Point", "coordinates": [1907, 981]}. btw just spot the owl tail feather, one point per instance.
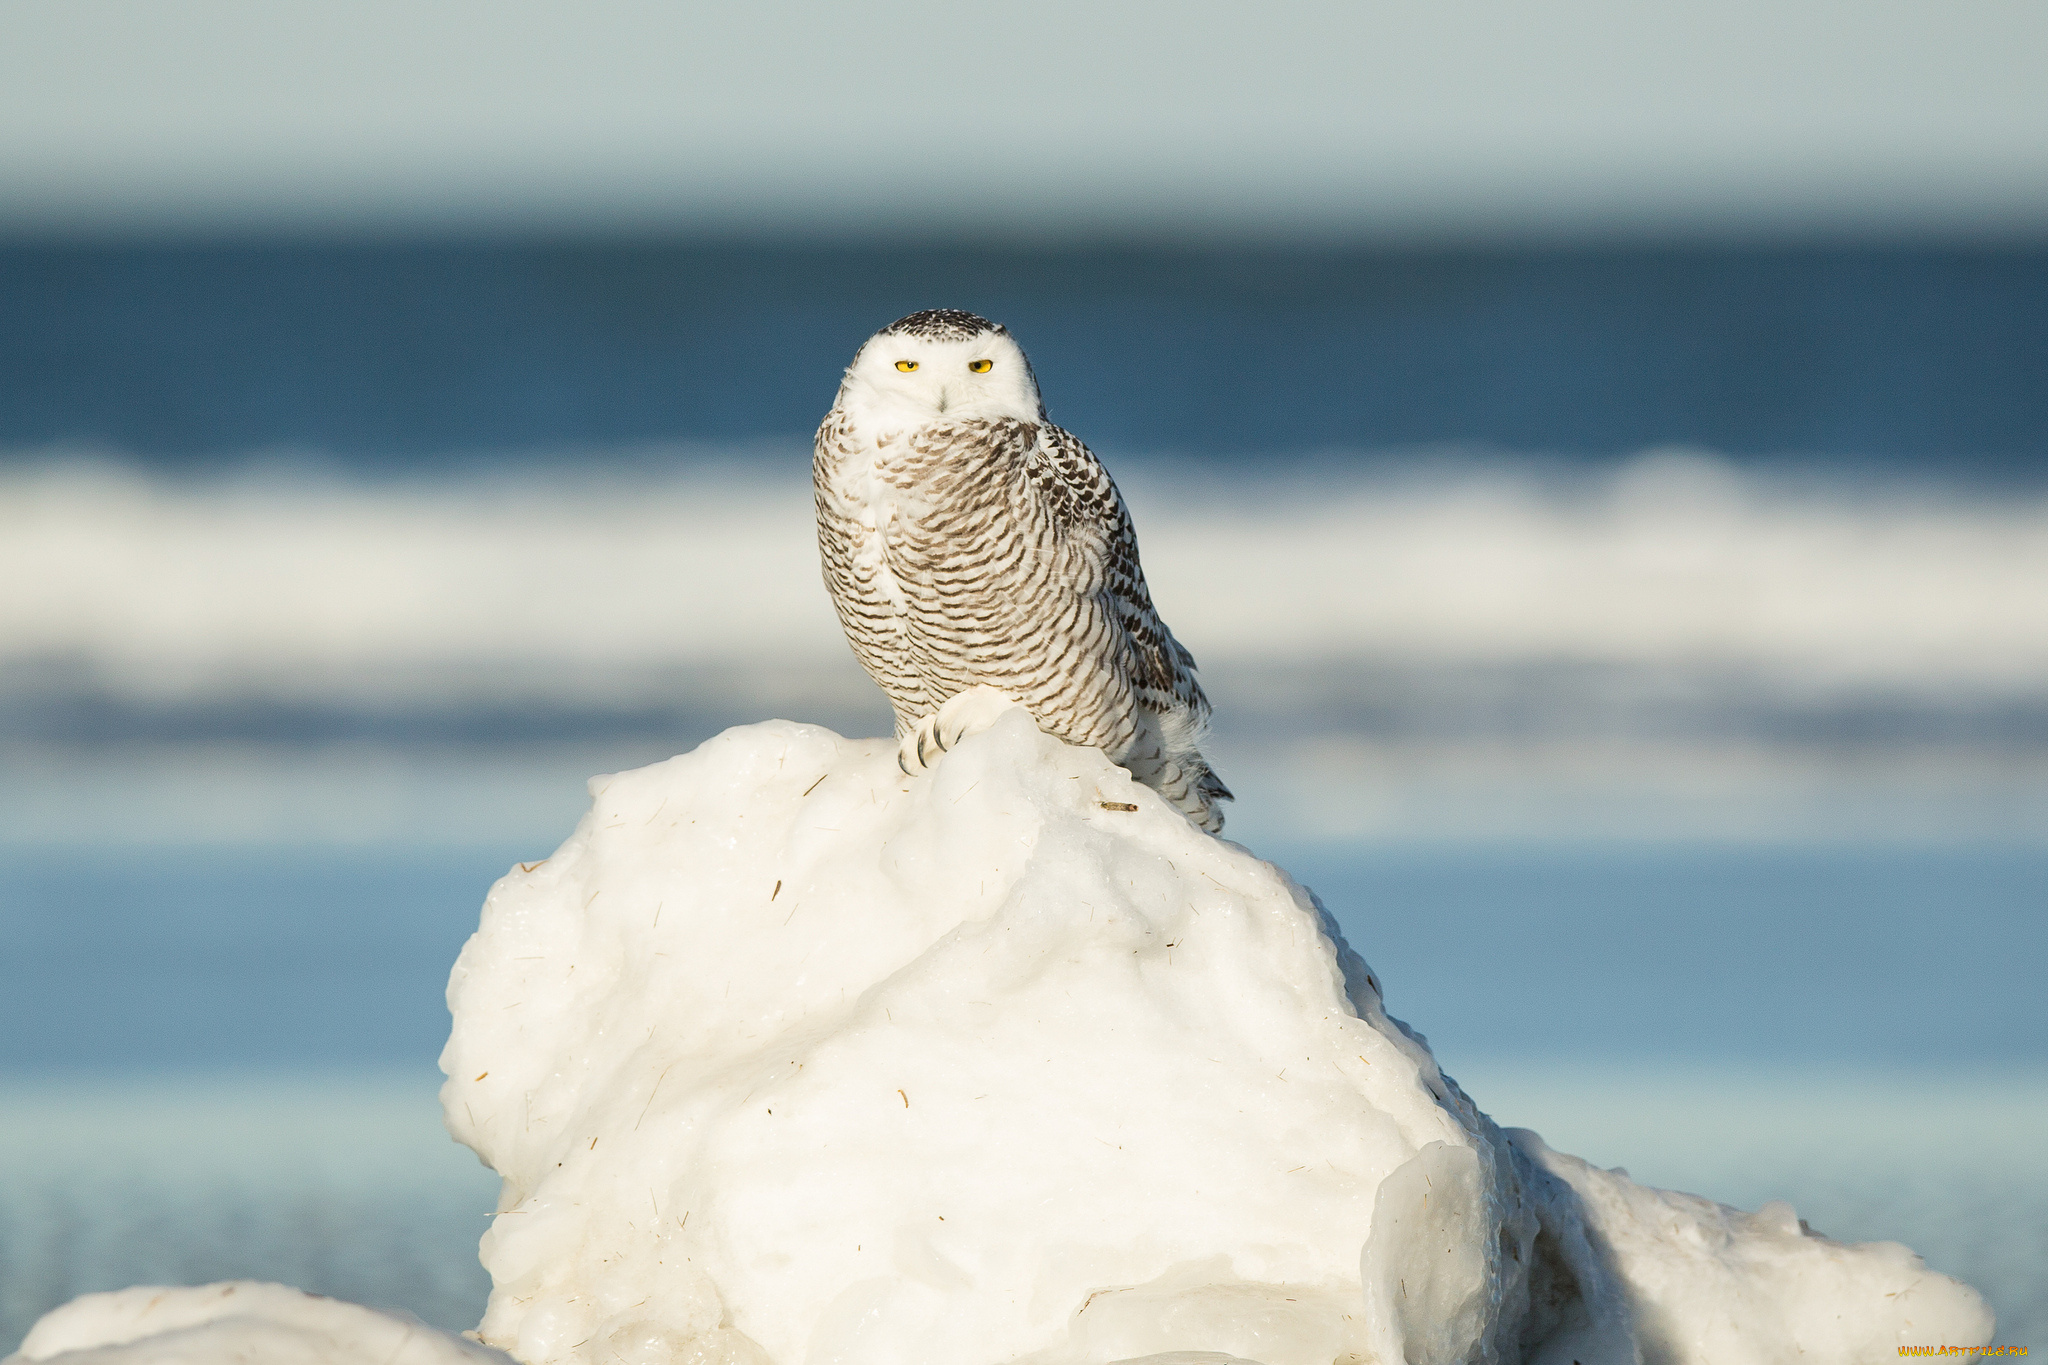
{"type": "Point", "coordinates": [1168, 758]}
{"type": "Point", "coordinates": [1193, 789]}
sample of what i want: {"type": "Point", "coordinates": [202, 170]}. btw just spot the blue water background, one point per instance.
{"type": "Point", "coordinates": [138, 960]}
{"type": "Point", "coordinates": [390, 355]}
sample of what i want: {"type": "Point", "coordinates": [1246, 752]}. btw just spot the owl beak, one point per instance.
{"type": "Point", "coordinates": [942, 398]}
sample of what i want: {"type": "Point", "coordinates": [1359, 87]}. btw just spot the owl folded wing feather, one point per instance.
{"type": "Point", "coordinates": [1160, 670]}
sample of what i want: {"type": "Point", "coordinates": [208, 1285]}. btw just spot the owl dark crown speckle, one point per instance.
{"type": "Point", "coordinates": [943, 324]}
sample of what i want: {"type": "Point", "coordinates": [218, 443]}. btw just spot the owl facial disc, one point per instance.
{"type": "Point", "coordinates": [940, 365]}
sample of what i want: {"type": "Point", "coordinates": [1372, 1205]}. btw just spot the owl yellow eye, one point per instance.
{"type": "Point", "coordinates": [980, 366]}
{"type": "Point", "coordinates": [906, 365]}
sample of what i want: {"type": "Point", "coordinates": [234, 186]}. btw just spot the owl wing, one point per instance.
{"type": "Point", "coordinates": [1082, 500]}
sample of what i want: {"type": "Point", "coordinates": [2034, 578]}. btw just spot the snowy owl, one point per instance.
{"type": "Point", "coordinates": [979, 557]}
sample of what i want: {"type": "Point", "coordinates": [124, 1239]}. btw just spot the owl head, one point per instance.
{"type": "Point", "coordinates": [941, 364]}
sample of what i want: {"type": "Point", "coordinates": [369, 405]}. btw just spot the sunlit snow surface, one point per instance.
{"type": "Point", "coordinates": [240, 1321]}
{"type": "Point", "coordinates": [808, 1095]}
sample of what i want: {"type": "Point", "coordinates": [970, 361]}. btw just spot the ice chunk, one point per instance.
{"type": "Point", "coordinates": [1426, 1269]}
{"type": "Point", "coordinates": [1709, 1283]}
{"type": "Point", "coordinates": [238, 1321]}
{"type": "Point", "coordinates": [787, 1057]}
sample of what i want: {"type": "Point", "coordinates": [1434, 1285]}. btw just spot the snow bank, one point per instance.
{"type": "Point", "coordinates": [240, 1321]}
{"type": "Point", "coordinates": [787, 1058]}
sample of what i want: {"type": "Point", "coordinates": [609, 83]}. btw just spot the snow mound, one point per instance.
{"type": "Point", "coordinates": [785, 1057]}
{"type": "Point", "coordinates": [238, 1321]}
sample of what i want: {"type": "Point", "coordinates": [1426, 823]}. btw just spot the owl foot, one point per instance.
{"type": "Point", "coordinates": [968, 713]}
{"type": "Point", "coordinates": [1189, 786]}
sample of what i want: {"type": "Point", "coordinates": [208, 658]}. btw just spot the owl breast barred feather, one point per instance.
{"type": "Point", "coordinates": [973, 549]}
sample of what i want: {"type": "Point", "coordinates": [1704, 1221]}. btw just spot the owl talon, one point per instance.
{"type": "Point", "coordinates": [965, 715]}
{"type": "Point", "coordinates": [919, 750]}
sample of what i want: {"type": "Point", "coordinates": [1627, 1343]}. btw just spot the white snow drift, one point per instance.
{"type": "Point", "coordinates": [785, 1057]}
{"type": "Point", "coordinates": [241, 1321]}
